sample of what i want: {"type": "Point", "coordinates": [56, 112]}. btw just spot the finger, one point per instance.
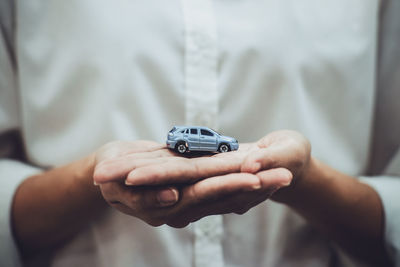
{"type": "Point", "coordinates": [164, 197]}
{"type": "Point", "coordinates": [275, 178]}
{"type": "Point", "coordinates": [227, 194]}
{"type": "Point", "coordinates": [286, 148]}
{"type": "Point", "coordinates": [145, 199]}
{"type": "Point", "coordinates": [117, 148]}
{"type": "Point", "coordinates": [210, 189]}
{"type": "Point", "coordinates": [143, 146]}
{"type": "Point", "coordinates": [155, 153]}
{"type": "Point", "coordinates": [113, 192]}
{"type": "Point", "coordinates": [118, 168]}
{"type": "Point", "coordinates": [266, 158]}
{"type": "Point", "coordinates": [232, 203]}
{"type": "Point", "coordinates": [140, 199]}
{"type": "Point", "coordinates": [185, 170]}
{"type": "Point", "coordinates": [196, 199]}
{"type": "Point", "coordinates": [148, 209]}
{"type": "Point", "coordinates": [232, 184]}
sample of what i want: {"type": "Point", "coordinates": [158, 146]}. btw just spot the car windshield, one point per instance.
{"type": "Point", "coordinates": [172, 130]}
{"type": "Point", "coordinates": [215, 131]}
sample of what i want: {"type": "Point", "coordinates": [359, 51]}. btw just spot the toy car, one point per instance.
{"type": "Point", "coordinates": [197, 138]}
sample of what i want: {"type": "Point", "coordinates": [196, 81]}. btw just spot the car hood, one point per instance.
{"type": "Point", "coordinates": [227, 138]}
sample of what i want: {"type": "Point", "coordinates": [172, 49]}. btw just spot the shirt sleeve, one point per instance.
{"type": "Point", "coordinates": [385, 153]}
{"type": "Point", "coordinates": [388, 188]}
{"type": "Point", "coordinates": [12, 171]}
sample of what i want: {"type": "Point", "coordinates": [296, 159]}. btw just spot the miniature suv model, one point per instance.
{"type": "Point", "coordinates": [197, 138]}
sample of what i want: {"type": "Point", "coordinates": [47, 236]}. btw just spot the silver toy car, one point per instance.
{"type": "Point", "coordinates": [197, 138]}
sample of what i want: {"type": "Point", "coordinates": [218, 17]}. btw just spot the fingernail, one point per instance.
{"type": "Point", "coordinates": [132, 173]}
{"type": "Point", "coordinates": [287, 183]}
{"type": "Point", "coordinates": [167, 197]}
{"type": "Point", "coordinates": [256, 186]}
{"type": "Point", "coordinates": [130, 180]}
{"type": "Point", "coordinates": [95, 183]}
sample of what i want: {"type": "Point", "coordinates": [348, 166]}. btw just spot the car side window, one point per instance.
{"type": "Point", "coordinates": [187, 131]}
{"type": "Point", "coordinates": [193, 131]}
{"type": "Point", "coordinates": [205, 132]}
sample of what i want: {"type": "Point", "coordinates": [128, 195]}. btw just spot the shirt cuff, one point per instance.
{"type": "Point", "coordinates": [12, 173]}
{"type": "Point", "coordinates": [388, 188]}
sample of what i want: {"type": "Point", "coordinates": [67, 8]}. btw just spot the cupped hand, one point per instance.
{"type": "Point", "coordinates": [199, 186]}
{"type": "Point", "coordinates": [115, 160]}
{"type": "Point", "coordinates": [230, 193]}
{"type": "Point", "coordinates": [158, 204]}
{"type": "Point", "coordinates": [280, 149]}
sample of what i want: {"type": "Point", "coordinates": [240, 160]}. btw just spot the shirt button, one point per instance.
{"type": "Point", "coordinates": [207, 228]}
{"type": "Point", "coordinates": [210, 227]}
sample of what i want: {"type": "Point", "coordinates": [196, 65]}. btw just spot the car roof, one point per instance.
{"type": "Point", "coordinates": [179, 127]}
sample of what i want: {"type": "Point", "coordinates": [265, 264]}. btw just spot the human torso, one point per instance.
{"type": "Point", "coordinates": [95, 71]}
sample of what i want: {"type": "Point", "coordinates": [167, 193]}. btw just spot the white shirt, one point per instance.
{"type": "Point", "coordinates": [88, 72]}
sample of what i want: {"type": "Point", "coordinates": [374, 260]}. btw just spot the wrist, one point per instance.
{"type": "Point", "coordinates": [84, 179]}
{"type": "Point", "coordinates": [84, 170]}
{"type": "Point", "coordinates": [52, 206]}
{"type": "Point", "coordinates": [300, 184]}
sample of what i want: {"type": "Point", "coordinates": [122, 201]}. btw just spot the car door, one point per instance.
{"type": "Point", "coordinates": [208, 140]}
{"type": "Point", "coordinates": [185, 135]}
{"type": "Point", "coordinates": [193, 139]}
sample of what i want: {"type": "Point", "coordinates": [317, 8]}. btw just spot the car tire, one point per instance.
{"type": "Point", "coordinates": [181, 147]}
{"type": "Point", "coordinates": [224, 148]}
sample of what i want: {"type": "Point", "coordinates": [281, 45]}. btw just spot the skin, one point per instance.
{"type": "Point", "coordinates": [49, 208]}
{"type": "Point", "coordinates": [146, 180]}
{"type": "Point", "coordinates": [189, 198]}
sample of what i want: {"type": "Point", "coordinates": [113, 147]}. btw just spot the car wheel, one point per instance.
{"type": "Point", "coordinates": [181, 147]}
{"type": "Point", "coordinates": [224, 148]}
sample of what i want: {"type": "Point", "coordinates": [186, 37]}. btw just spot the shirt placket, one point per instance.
{"type": "Point", "coordinates": [201, 95]}
{"type": "Point", "coordinates": [201, 108]}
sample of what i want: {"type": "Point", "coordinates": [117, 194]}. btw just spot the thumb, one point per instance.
{"type": "Point", "coordinates": [264, 158]}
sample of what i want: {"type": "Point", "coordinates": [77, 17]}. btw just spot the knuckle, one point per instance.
{"type": "Point", "coordinates": [110, 190]}
{"type": "Point", "coordinates": [196, 168]}
{"type": "Point", "coordinates": [270, 160]}
{"type": "Point", "coordinates": [193, 194]}
{"type": "Point", "coordinates": [135, 202]}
